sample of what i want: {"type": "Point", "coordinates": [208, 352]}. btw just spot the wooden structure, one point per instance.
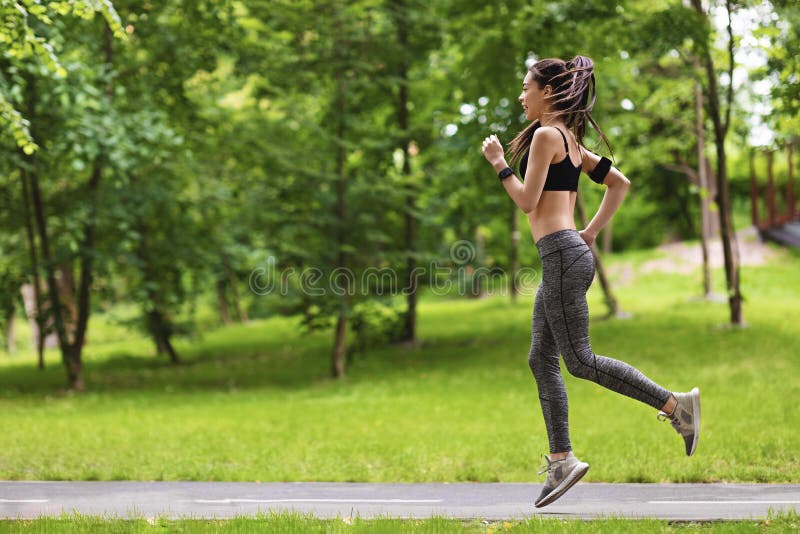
{"type": "Point", "coordinates": [778, 221]}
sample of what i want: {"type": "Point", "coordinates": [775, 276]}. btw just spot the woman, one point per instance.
{"type": "Point", "coordinates": [556, 97]}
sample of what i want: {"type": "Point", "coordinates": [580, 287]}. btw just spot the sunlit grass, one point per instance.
{"type": "Point", "coordinates": [293, 522]}
{"type": "Point", "coordinates": [256, 401]}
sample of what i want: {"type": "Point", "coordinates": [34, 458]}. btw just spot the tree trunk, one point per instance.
{"type": "Point", "coordinates": [10, 341]}
{"type": "Point", "coordinates": [611, 301]}
{"type": "Point", "coordinates": [703, 179]}
{"type": "Point", "coordinates": [475, 285]}
{"type": "Point", "coordinates": [75, 368]}
{"type": "Point", "coordinates": [74, 379]}
{"type": "Point", "coordinates": [711, 205]}
{"type": "Point", "coordinates": [339, 341]}
{"type": "Point", "coordinates": [66, 288]}
{"type": "Point", "coordinates": [161, 330]}
{"type": "Point", "coordinates": [241, 312]}
{"type": "Point", "coordinates": [158, 323]}
{"type": "Point", "coordinates": [38, 317]}
{"type": "Point", "coordinates": [771, 211]}
{"type": "Point", "coordinates": [340, 334]}
{"type": "Point", "coordinates": [222, 301]}
{"type": "Point", "coordinates": [400, 12]}
{"type": "Point", "coordinates": [70, 342]}
{"type": "Point", "coordinates": [728, 240]}
{"type": "Point", "coordinates": [86, 254]}
{"type": "Point", "coordinates": [42, 336]}
{"type": "Point", "coordinates": [790, 182]}
{"type": "Point", "coordinates": [723, 198]}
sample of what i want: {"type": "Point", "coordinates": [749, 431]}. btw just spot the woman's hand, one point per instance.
{"type": "Point", "coordinates": [587, 236]}
{"type": "Point", "coordinates": [493, 151]}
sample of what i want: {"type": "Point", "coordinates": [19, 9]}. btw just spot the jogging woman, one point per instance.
{"type": "Point", "coordinates": [557, 96]}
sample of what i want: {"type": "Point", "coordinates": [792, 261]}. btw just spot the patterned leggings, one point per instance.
{"type": "Point", "coordinates": [561, 326]}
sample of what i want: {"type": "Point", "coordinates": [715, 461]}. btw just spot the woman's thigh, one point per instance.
{"type": "Point", "coordinates": [566, 277]}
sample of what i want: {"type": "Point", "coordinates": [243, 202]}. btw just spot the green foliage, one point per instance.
{"type": "Point", "coordinates": [21, 42]}
{"type": "Point", "coordinates": [674, 27]}
{"type": "Point", "coordinates": [783, 64]}
{"type": "Point", "coordinates": [376, 323]}
{"type": "Point", "coordinates": [230, 131]}
{"type": "Point", "coordinates": [12, 276]}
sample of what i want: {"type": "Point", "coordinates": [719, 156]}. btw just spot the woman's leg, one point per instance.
{"type": "Point", "coordinates": [544, 363]}
{"type": "Point", "coordinates": [568, 271]}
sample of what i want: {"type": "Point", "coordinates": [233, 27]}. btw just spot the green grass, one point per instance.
{"type": "Point", "coordinates": [256, 402]}
{"type": "Point", "coordinates": [292, 522]}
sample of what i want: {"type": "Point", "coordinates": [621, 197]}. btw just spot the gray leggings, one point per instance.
{"type": "Point", "coordinates": [561, 326]}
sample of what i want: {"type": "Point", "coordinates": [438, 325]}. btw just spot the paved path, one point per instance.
{"type": "Point", "coordinates": [29, 499]}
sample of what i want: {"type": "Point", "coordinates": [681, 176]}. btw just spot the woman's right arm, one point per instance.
{"type": "Point", "coordinates": [616, 188]}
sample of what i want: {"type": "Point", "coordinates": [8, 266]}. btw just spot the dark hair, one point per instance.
{"type": "Point", "coordinates": [573, 83]}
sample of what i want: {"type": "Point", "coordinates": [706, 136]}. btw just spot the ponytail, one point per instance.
{"type": "Point", "coordinates": [574, 97]}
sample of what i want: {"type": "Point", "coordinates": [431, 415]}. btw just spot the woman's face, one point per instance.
{"type": "Point", "coordinates": [532, 97]}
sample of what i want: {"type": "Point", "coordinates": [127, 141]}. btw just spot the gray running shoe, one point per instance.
{"type": "Point", "coordinates": [561, 476]}
{"type": "Point", "coordinates": [685, 419]}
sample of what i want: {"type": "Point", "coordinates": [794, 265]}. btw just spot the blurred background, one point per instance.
{"type": "Point", "coordinates": [213, 196]}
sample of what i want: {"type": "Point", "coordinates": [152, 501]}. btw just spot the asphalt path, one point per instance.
{"type": "Point", "coordinates": [490, 501]}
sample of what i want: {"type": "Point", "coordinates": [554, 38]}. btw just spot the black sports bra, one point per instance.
{"type": "Point", "coordinates": [561, 176]}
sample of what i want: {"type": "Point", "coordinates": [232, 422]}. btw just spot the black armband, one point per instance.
{"type": "Point", "coordinates": [600, 170]}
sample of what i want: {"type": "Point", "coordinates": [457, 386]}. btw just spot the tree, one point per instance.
{"type": "Point", "coordinates": [160, 216]}
{"type": "Point", "coordinates": [783, 64]}
{"type": "Point", "coordinates": [22, 42]}
{"type": "Point", "coordinates": [341, 62]}
{"type": "Point", "coordinates": [721, 121]}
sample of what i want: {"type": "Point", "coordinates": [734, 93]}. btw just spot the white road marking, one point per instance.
{"type": "Point", "coordinates": [228, 501]}
{"type": "Point", "coordinates": [723, 502]}
{"type": "Point", "coordinates": [24, 500]}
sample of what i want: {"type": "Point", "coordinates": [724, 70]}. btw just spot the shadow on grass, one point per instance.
{"type": "Point", "coordinates": [252, 356]}
{"type": "Point", "coordinates": [302, 364]}
{"type": "Point", "coordinates": [216, 367]}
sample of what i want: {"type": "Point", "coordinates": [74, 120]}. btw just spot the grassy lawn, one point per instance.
{"type": "Point", "coordinates": [301, 523]}
{"type": "Point", "coordinates": [255, 402]}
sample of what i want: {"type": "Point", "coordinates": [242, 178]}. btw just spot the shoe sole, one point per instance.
{"type": "Point", "coordinates": [696, 418]}
{"type": "Point", "coordinates": [574, 476]}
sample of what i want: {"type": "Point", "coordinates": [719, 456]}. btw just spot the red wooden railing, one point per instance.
{"type": "Point", "coordinates": [776, 215]}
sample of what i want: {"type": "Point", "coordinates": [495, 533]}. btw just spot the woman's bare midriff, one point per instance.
{"type": "Point", "coordinates": [554, 212]}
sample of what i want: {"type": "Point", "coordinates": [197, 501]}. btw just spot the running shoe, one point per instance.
{"type": "Point", "coordinates": [561, 476]}
{"type": "Point", "coordinates": [685, 418]}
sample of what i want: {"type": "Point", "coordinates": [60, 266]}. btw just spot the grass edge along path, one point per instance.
{"type": "Point", "coordinates": [291, 522]}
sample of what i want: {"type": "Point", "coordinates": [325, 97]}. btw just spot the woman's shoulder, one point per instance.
{"type": "Point", "coordinates": [546, 134]}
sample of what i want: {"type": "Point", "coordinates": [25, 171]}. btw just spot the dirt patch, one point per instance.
{"type": "Point", "coordinates": [686, 258]}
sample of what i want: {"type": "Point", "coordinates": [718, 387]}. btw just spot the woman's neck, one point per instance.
{"type": "Point", "coordinates": [552, 122]}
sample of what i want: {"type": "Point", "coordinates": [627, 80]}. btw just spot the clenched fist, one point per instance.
{"type": "Point", "coordinates": [493, 150]}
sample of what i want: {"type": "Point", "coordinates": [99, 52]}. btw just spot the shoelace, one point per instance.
{"type": "Point", "coordinates": [676, 424]}
{"type": "Point", "coordinates": [549, 467]}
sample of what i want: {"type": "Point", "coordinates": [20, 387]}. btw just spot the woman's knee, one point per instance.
{"type": "Point", "coordinates": [579, 365]}
{"type": "Point", "coordinates": [535, 359]}
{"type": "Point", "coordinates": [543, 360]}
